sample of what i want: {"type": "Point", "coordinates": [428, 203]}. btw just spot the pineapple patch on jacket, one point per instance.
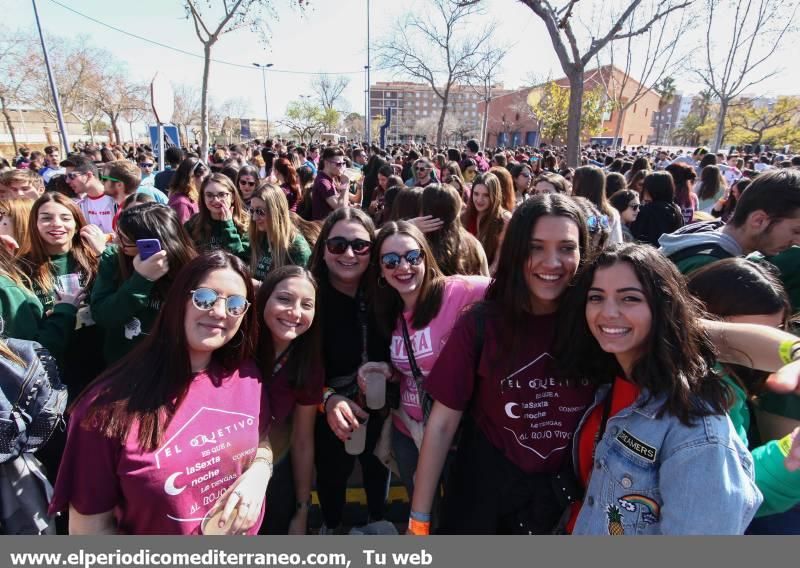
{"type": "Point", "coordinates": [652, 474]}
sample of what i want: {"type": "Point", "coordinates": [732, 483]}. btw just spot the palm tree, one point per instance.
{"type": "Point", "coordinates": [666, 90]}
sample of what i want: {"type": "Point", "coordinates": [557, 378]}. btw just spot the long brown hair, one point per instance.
{"type": "Point", "coordinates": [509, 199]}
{"type": "Point", "coordinates": [387, 302]}
{"type": "Point", "coordinates": [148, 385]}
{"type": "Point", "coordinates": [10, 269]}
{"type": "Point", "coordinates": [38, 259]}
{"type": "Point", "coordinates": [490, 225]}
{"type": "Point", "coordinates": [19, 211]}
{"type": "Point", "coordinates": [201, 228]}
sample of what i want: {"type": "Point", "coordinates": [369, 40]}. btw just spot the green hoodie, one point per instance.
{"type": "Point", "coordinates": [299, 253]}
{"type": "Point", "coordinates": [125, 311]}
{"type": "Point", "coordinates": [224, 235]}
{"type": "Point", "coordinates": [23, 318]}
{"type": "Point", "coordinates": [781, 487]}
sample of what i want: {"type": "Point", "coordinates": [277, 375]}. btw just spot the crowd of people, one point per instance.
{"type": "Point", "coordinates": [530, 348]}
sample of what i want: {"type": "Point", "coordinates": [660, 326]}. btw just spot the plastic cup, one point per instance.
{"type": "Point", "coordinates": [69, 283]}
{"type": "Point", "coordinates": [376, 390]}
{"type": "Point", "coordinates": [358, 439]}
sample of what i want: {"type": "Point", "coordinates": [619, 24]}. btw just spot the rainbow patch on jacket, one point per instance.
{"type": "Point", "coordinates": [651, 510]}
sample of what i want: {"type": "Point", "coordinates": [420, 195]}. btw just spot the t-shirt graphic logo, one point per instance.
{"type": "Point", "coordinates": [420, 342]}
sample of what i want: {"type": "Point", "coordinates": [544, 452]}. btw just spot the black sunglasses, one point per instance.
{"type": "Point", "coordinates": [145, 164]}
{"type": "Point", "coordinates": [339, 245]}
{"type": "Point", "coordinates": [247, 183]}
{"type": "Point", "coordinates": [391, 260]}
{"type": "Point", "coordinates": [634, 207]}
{"type": "Point", "coordinates": [206, 298]}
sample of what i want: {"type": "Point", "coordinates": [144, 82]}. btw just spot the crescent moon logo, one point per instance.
{"type": "Point", "coordinates": [510, 410]}
{"type": "Point", "coordinates": [169, 485]}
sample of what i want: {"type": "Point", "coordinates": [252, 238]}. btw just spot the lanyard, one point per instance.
{"type": "Point", "coordinates": [281, 360]}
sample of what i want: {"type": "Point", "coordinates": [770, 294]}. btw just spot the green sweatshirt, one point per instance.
{"type": "Point", "coordinates": [125, 311]}
{"type": "Point", "coordinates": [62, 264]}
{"type": "Point", "coordinates": [781, 487]}
{"type": "Point", "coordinates": [224, 235]}
{"type": "Point", "coordinates": [23, 318]}
{"type": "Point", "coordinates": [299, 253]}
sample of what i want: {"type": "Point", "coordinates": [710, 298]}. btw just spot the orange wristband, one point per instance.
{"type": "Point", "coordinates": [419, 528]}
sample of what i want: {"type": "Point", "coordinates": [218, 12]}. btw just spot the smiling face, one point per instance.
{"type": "Point", "coordinates": [480, 198]}
{"type": "Point", "coordinates": [257, 205]}
{"type": "Point", "coordinates": [289, 311]}
{"type": "Point", "coordinates": [56, 226]}
{"type": "Point", "coordinates": [553, 261]}
{"type": "Point", "coordinates": [208, 330]}
{"type": "Point", "coordinates": [347, 268]}
{"type": "Point", "coordinates": [216, 196]}
{"type": "Point", "coordinates": [405, 278]}
{"type": "Point", "coordinates": [618, 314]}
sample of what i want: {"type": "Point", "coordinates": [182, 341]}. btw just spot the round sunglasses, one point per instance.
{"type": "Point", "coordinates": [205, 299]}
{"type": "Point", "coordinates": [339, 245]}
{"type": "Point", "coordinates": [391, 260]}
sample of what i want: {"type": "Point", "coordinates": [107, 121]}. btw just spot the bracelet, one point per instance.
{"type": "Point", "coordinates": [423, 517]}
{"type": "Point", "coordinates": [266, 460]}
{"type": "Point", "coordinates": [327, 392]}
{"type": "Point", "coordinates": [789, 350]}
{"type": "Point", "coordinates": [418, 528]}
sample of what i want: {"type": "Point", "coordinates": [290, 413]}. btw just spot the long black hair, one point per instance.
{"type": "Point", "coordinates": [678, 354]}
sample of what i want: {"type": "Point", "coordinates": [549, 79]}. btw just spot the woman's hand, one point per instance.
{"type": "Point", "coordinates": [342, 415]}
{"type": "Point", "coordinates": [786, 380]}
{"type": "Point", "coordinates": [154, 267]}
{"type": "Point", "coordinates": [225, 212]}
{"type": "Point", "coordinates": [427, 224]}
{"type": "Point", "coordinates": [10, 243]}
{"type": "Point", "coordinates": [372, 367]}
{"type": "Point", "coordinates": [94, 237]}
{"type": "Point", "coordinates": [73, 299]}
{"type": "Point", "coordinates": [243, 500]}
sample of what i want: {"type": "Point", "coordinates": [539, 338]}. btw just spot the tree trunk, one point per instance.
{"type": "Point", "coordinates": [10, 125]}
{"type": "Point", "coordinates": [115, 128]}
{"type": "Point", "coordinates": [618, 127]}
{"type": "Point", "coordinates": [720, 132]}
{"type": "Point", "coordinates": [574, 119]}
{"type": "Point", "coordinates": [442, 115]}
{"type": "Point", "coordinates": [204, 103]}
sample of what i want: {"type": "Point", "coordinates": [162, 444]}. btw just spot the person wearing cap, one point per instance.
{"type": "Point", "coordinates": [84, 179]}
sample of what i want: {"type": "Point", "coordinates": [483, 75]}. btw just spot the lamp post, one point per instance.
{"type": "Point", "coordinates": [53, 88]}
{"type": "Point", "coordinates": [264, 67]}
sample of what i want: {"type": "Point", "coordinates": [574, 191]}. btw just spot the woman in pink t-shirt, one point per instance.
{"type": "Point", "coordinates": [288, 356]}
{"type": "Point", "coordinates": [417, 306]}
{"type": "Point", "coordinates": [176, 431]}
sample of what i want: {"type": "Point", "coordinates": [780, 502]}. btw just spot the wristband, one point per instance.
{"type": "Point", "coordinates": [422, 517]}
{"type": "Point", "coordinates": [419, 528]}
{"type": "Point", "coordinates": [785, 444]}
{"type": "Point", "coordinates": [327, 392]}
{"type": "Point", "coordinates": [788, 350]}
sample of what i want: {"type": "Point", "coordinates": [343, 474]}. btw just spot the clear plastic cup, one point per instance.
{"type": "Point", "coordinates": [376, 390]}
{"type": "Point", "coordinates": [69, 283]}
{"type": "Point", "coordinates": [358, 439]}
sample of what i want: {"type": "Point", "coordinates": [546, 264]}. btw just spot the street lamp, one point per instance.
{"type": "Point", "coordinates": [264, 67]}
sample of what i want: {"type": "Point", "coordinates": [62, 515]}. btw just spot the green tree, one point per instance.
{"type": "Point", "coordinates": [751, 123]}
{"type": "Point", "coordinates": [552, 111]}
{"type": "Point", "coordinates": [595, 106]}
{"type": "Point", "coordinates": [304, 119]}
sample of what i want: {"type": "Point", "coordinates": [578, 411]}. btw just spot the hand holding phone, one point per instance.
{"type": "Point", "coordinates": [147, 247]}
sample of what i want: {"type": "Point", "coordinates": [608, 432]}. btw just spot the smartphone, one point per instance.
{"type": "Point", "coordinates": [148, 247]}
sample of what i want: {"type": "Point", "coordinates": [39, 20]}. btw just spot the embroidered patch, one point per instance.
{"type": "Point", "coordinates": [651, 510]}
{"type": "Point", "coordinates": [615, 519]}
{"type": "Point", "coordinates": [637, 446]}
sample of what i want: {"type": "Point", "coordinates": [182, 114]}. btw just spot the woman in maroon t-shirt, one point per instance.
{"type": "Point", "coordinates": [497, 367]}
{"type": "Point", "coordinates": [287, 355]}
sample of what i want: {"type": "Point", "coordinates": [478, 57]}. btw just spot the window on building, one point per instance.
{"type": "Point", "coordinates": [416, 112]}
{"type": "Point", "coordinates": [399, 95]}
{"type": "Point", "coordinates": [417, 94]}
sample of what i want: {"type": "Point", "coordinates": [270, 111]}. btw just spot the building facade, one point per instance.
{"type": "Point", "coordinates": [36, 129]}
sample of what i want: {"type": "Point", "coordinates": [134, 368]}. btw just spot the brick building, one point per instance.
{"type": "Point", "coordinates": [511, 123]}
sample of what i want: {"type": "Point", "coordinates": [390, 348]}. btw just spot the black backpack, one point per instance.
{"type": "Point", "coordinates": [707, 249]}
{"type": "Point", "coordinates": [32, 399]}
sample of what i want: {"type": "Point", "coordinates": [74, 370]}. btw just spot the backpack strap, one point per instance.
{"type": "Point", "coordinates": [706, 249]}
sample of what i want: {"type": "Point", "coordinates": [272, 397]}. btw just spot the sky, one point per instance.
{"type": "Point", "coordinates": [329, 36]}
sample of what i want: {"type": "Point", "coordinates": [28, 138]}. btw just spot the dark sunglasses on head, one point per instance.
{"type": "Point", "coordinates": [199, 169]}
{"type": "Point", "coordinates": [391, 260]}
{"type": "Point", "coordinates": [205, 299]}
{"type": "Point", "coordinates": [339, 245]}
{"type": "Point", "coordinates": [247, 183]}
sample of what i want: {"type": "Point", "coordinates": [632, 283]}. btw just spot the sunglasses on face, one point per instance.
{"type": "Point", "coordinates": [146, 164]}
{"type": "Point", "coordinates": [422, 169]}
{"type": "Point", "coordinates": [247, 183]}
{"type": "Point", "coordinates": [391, 260]}
{"type": "Point", "coordinates": [258, 212]}
{"type": "Point", "coordinates": [595, 223]}
{"type": "Point", "coordinates": [205, 299]}
{"type": "Point", "coordinates": [337, 164]}
{"type": "Point", "coordinates": [339, 245]}
{"type": "Point", "coordinates": [74, 175]}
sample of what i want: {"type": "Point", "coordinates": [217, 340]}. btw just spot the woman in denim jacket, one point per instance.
{"type": "Point", "coordinates": [656, 452]}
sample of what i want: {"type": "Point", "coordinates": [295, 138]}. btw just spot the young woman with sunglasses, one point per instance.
{"type": "Point", "coordinates": [288, 356]}
{"type": "Point", "coordinates": [497, 366]}
{"type": "Point", "coordinates": [626, 202]}
{"type": "Point", "coordinates": [590, 182]}
{"type": "Point", "coordinates": [657, 434]}
{"type": "Point", "coordinates": [275, 240]}
{"type": "Point", "coordinates": [350, 339]}
{"type": "Point", "coordinates": [176, 430]}
{"type": "Point", "coordinates": [286, 177]}
{"type": "Point", "coordinates": [486, 218]}
{"type": "Point", "coordinates": [129, 292]}
{"type": "Point", "coordinates": [417, 307]}
{"type": "Point", "coordinates": [184, 189]}
{"type": "Point", "coordinates": [221, 222]}
{"type": "Point", "coordinates": [246, 182]}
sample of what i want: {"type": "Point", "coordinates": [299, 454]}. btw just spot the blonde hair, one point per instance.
{"type": "Point", "coordinates": [19, 210]}
{"type": "Point", "coordinates": [280, 233]}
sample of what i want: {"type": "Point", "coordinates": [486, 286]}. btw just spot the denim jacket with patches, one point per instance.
{"type": "Point", "coordinates": [655, 475]}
